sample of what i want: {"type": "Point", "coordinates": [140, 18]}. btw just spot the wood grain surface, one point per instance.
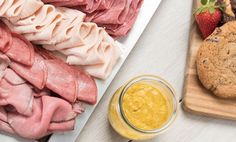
{"type": "Point", "coordinates": [197, 99]}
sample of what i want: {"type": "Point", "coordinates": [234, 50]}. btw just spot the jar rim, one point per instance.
{"type": "Point", "coordinates": [156, 79]}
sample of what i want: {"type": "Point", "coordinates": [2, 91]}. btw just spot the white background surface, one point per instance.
{"type": "Point", "coordinates": [161, 50]}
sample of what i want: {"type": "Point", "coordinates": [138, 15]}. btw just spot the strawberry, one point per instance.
{"type": "Point", "coordinates": [208, 16]}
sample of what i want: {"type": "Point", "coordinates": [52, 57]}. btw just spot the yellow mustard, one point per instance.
{"type": "Point", "coordinates": [145, 107]}
{"type": "Point", "coordinates": [142, 108]}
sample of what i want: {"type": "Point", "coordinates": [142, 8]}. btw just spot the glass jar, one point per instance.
{"type": "Point", "coordinates": [130, 128]}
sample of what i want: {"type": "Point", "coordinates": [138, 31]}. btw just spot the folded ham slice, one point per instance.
{"type": "Point", "coordinates": [117, 16]}
{"type": "Point", "coordinates": [47, 110]}
{"type": "Point", "coordinates": [21, 45]}
{"type": "Point", "coordinates": [36, 74]}
{"type": "Point", "coordinates": [14, 91]}
{"type": "Point", "coordinates": [62, 30]}
{"type": "Point", "coordinates": [32, 117]}
{"type": "Point", "coordinates": [29, 112]}
{"type": "Point", "coordinates": [62, 79]}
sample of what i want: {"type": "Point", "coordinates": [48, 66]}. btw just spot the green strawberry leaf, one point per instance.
{"type": "Point", "coordinates": [204, 2]}
{"type": "Point", "coordinates": [212, 10]}
{"type": "Point", "coordinates": [198, 11]}
{"type": "Point", "coordinates": [212, 1]}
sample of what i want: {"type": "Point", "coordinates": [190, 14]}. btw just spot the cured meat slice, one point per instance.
{"type": "Point", "coordinates": [18, 96]}
{"type": "Point", "coordinates": [117, 16]}
{"type": "Point", "coordinates": [62, 110]}
{"type": "Point", "coordinates": [123, 29]}
{"type": "Point", "coordinates": [21, 50]}
{"type": "Point", "coordinates": [4, 126]}
{"type": "Point", "coordinates": [5, 38]}
{"type": "Point", "coordinates": [87, 88]}
{"type": "Point", "coordinates": [35, 74]}
{"type": "Point", "coordinates": [38, 125]}
{"type": "Point", "coordinates": [3, 114]}
{"type": "Point", "coordinates": [4, 62]}
{"type": "Point", "coordinates": [61, 126]}
{"type": "Point", "coordinates": [62, 79]}
{"type": "Point", "coordinates": [11, 77]}
{"type": "Point", "coordinates": [67, 3]}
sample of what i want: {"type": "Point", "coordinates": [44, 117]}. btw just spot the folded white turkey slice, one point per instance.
{"type": "Point", "coordinates": [63, 30]}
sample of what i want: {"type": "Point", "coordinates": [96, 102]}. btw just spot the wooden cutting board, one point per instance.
{"type": "Point", "coordinates": [197, 99]}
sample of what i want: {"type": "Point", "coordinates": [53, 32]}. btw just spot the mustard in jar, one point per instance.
{"type": "Point", "coordinates": [142, 108]}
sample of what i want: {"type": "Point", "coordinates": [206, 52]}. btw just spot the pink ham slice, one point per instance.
{"type": "Point", "coordinates": [62, 79]}
{"type": "Point", "coordinates": [66, 3]}
{"type": "Point", "coordinates": [87, 88]}
{"type": "Point", "coordinates": [17, 95]}
{"type": "Point", "coordinates": [36, 74]}
{"type": "Point", "coordinates": [46, 109]}
{"type": "Point", "coordinates": [119, 30]}
{"type": "Point", "coordinates": [61, 126]}
{"type": "Point", "coordinates": [13, 78]}
{"type": "Point", "coordinates": [4, 126]}
{"type": "Point", "coordinates": [5, 38]}
{"type": "Point", "coordinates": [4, 62]}
{"type": "Point", "coordinates": [21, 51]}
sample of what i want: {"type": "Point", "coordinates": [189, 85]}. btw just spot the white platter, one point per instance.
{"type": "Point", "coordinates": [127, 44]}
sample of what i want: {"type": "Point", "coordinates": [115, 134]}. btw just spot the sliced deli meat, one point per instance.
{"type": "Point", "coordinates": [62, 79]}
{"type": "Point", "coordinates": [5, 38]}
{"type": "Point", "coordinates": [46, 71]}
{"type": "Point", "coordinates": [4, 62]}
{"type": "Point", "coordinates": [39, 93]}
{"type": "Point", "coordinates": [117, 16]}
{"type": "Point", "coordinates": [87, 90]}
{"type": "Point", "coordinates": [29, 115]}
{"type": "Point", "coordinates": [38, 124]}
{"type": "Point", "coordinates": [19, 96]}
{"type": "Point", "coordinates": [21, 50]}
{"type": "Point", "coordinates": [36, 74]}
{"type": "Point", "coordinates": [85, 86]}
{"type": "Point", "coordinates": [63, 30]}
